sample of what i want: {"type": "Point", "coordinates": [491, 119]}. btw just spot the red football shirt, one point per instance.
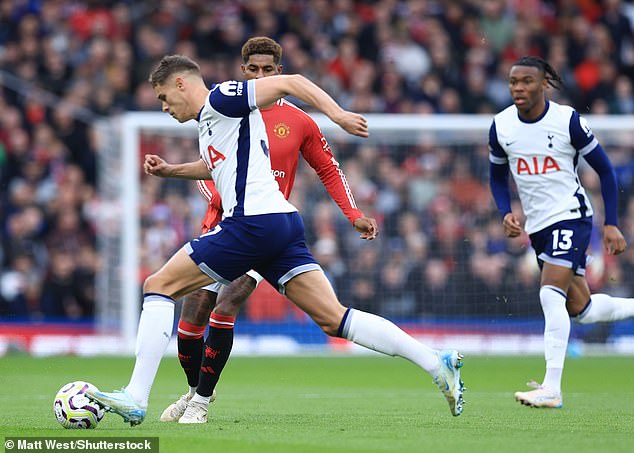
{"type": "Point", "coordinates": [290, 132]}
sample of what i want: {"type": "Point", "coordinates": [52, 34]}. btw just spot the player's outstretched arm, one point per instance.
{"type": "Point", "coordinates": [270, 89]}
{"type": "Point", "coordinates": [156, 166]}
{"type": "Point", "coordinates": [367, 226]}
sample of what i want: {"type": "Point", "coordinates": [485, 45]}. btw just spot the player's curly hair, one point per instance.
{"type": "Point", "coordinates": [262, 45]}
{"type": "Point", "coordinates": [551, 76]}
{"type": "Point", "coordinates": [171, 64]}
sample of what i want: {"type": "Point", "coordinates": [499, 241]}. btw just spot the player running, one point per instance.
{"type": "Point", "coordinates": [541, 142]}
{"type": "Point", "coordinates": [260, 230]}
{"type": "Point", "coordinates": [290, 132]}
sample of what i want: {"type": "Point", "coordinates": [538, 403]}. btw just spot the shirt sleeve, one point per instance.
{"type": "Point", "coordinates": [599, 161]}
{"type": "Point", "coordinates": [317, 153]}
{"type": "Point", "coordinates": [499, 173]}
{"type": "Point", "coordinates": [213, 215]}
{"type": "Point", "coordinates": [581, 135]}
{"type": "Point", "coordinates": [497, 155]}
{"type": "Point", "coordinates": [233, 99]}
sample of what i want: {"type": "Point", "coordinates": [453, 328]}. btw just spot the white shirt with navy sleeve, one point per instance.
{"type": "Point", "coordinates": [234, 145]}
{"type": "Point", "coordinates": [543, 156]}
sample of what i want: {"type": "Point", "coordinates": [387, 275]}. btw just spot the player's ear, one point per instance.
{"type": "Point", "coordinates": [243, 68]}
{"type": "Point", "coordinates": [280, 68]}
{"type": "Point", "coordinates": [179, 82]}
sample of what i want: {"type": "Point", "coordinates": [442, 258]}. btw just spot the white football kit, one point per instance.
{"type": "Point", "coordinates": [234, 145]}
{"type": "Point", "coordinates": [260, 229]}
{"type": "Point", "coordinates": [543, 156]}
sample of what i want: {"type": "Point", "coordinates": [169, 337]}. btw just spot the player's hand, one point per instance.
{"type": "Point", "coordinates": [367, 226]}
{"type": "Point", "coordinates": [613, 240]}
{"type": "Point", "coordinates": [353, 123]}
{"type": "Point", "coordinates": [512, 227]}
{"type": "Point", "coordinates": [155, 165]}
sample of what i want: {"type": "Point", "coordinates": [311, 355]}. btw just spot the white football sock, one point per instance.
{"type": "Point", "coordinates": [603, 307]}
{"type": "Point", "coordinates": [552, 379]}
{"type": "Point", "coordinates": [153, 336]}
{"type": "Point", "coordinates": [192, 390]}
{"type": "Point", "coordinates": [381, 335]}
{"type": "Point", "coordinates": [556, 332]}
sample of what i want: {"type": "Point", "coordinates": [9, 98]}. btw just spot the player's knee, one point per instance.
{"type": "Point", "coordinates": [152, 284]}
{"type": "Point", "coordinates": [233, 296]}
{"type": "Point", "coordinates": [575, 310]}
{"type": "Point", "coordinates": [331, 330]}
{"type": "Point", "coordinates": [330, 320]}
{"type": "Point", "coordinates": [575, 306]}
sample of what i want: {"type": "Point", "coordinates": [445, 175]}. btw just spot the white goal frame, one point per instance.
{"type": "Point", "coordinates": [124, 132]}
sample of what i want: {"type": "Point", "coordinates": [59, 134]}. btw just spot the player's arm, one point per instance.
{"type": "Point", "coordinates": [613, 239]}
{"type": "Point", "coordinates": [317, 153]}
{"type": "Point", "coordinates": [156, 166]}
{"type": "Point", "coordinates": [588, 146]}
{"type": "Point", "coordinates": [270, 89]}
{"type": "Point", "coordinates": [499, 185]}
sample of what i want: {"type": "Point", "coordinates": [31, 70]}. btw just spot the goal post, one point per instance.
{"type": "Point", "coordinates": [121, 144]}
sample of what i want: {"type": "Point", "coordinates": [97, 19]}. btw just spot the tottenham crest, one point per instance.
{"type": "Point", "coordinates": [281, 130]}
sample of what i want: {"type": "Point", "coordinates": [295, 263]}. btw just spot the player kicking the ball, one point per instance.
{"type": "Point", "coordinates": [260, 230]}
{"type": "Point", "coordinates": [540, 142]}
{"type": "Point", "coordinates": [290, 132]}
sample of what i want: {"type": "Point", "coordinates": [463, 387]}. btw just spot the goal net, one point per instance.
{"type": "Point", "coordinates": [441, 267]}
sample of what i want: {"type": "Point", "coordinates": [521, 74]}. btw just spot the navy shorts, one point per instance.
{"type": "Point", "coordinates": [564, 244]}
{"type": "Point", "coordinates": [271, 244]}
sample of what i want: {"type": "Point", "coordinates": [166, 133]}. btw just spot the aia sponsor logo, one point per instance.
{"type": "Point", "coordinates": [537, 166]}
{"type": "Point", "coordinates": [281, 130]}
{"type": "Point", "coordinates": [215, 157]}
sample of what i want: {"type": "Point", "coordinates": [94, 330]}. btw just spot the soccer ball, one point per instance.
{"type": "Point", "coordinates": [73, 410]}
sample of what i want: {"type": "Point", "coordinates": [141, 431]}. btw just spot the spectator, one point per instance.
{"type": "Point", "coordinates": [385, 56]}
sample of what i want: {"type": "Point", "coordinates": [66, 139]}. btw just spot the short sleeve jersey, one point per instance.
{"type": "Point", "coordinates": [234, 146]}
{"type": "Point", "coordinates": [543, 156]}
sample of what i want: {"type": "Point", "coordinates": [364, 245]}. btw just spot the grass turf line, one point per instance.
{"type": "Point", "coordinates": [344, 404]}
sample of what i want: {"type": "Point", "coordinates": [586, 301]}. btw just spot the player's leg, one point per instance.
{"type": "Point", "coordinates": [218, 345]}
{"type": "Point", "coordinates": [176, 278]}
{"type": "Point", "coordinates": [588, 309]}
{"type": "Point", "coordinates": [560, 250]}
{"type": "Point", "coordinates": [191, 329]}
{"type": "Point", "coordinates": [552, 295]}
{"type": "Point", "coordinates": [312, 293]}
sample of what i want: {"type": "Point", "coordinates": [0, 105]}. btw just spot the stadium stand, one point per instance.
{"type": "Point", "coordinates": [64, 64]}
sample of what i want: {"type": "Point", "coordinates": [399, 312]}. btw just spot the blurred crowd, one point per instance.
{"type": "Point", "coordinates": [65, 64]}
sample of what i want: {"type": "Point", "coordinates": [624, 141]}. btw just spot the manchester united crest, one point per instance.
{"type": "Point", "coordinates": [281, 130]}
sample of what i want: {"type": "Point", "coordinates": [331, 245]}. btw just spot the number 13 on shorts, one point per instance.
{"type": "Point", "coordinates": [562, 241]}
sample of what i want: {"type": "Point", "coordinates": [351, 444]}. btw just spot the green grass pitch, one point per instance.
{"type": "Point", "coordinates": [344, 404]}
